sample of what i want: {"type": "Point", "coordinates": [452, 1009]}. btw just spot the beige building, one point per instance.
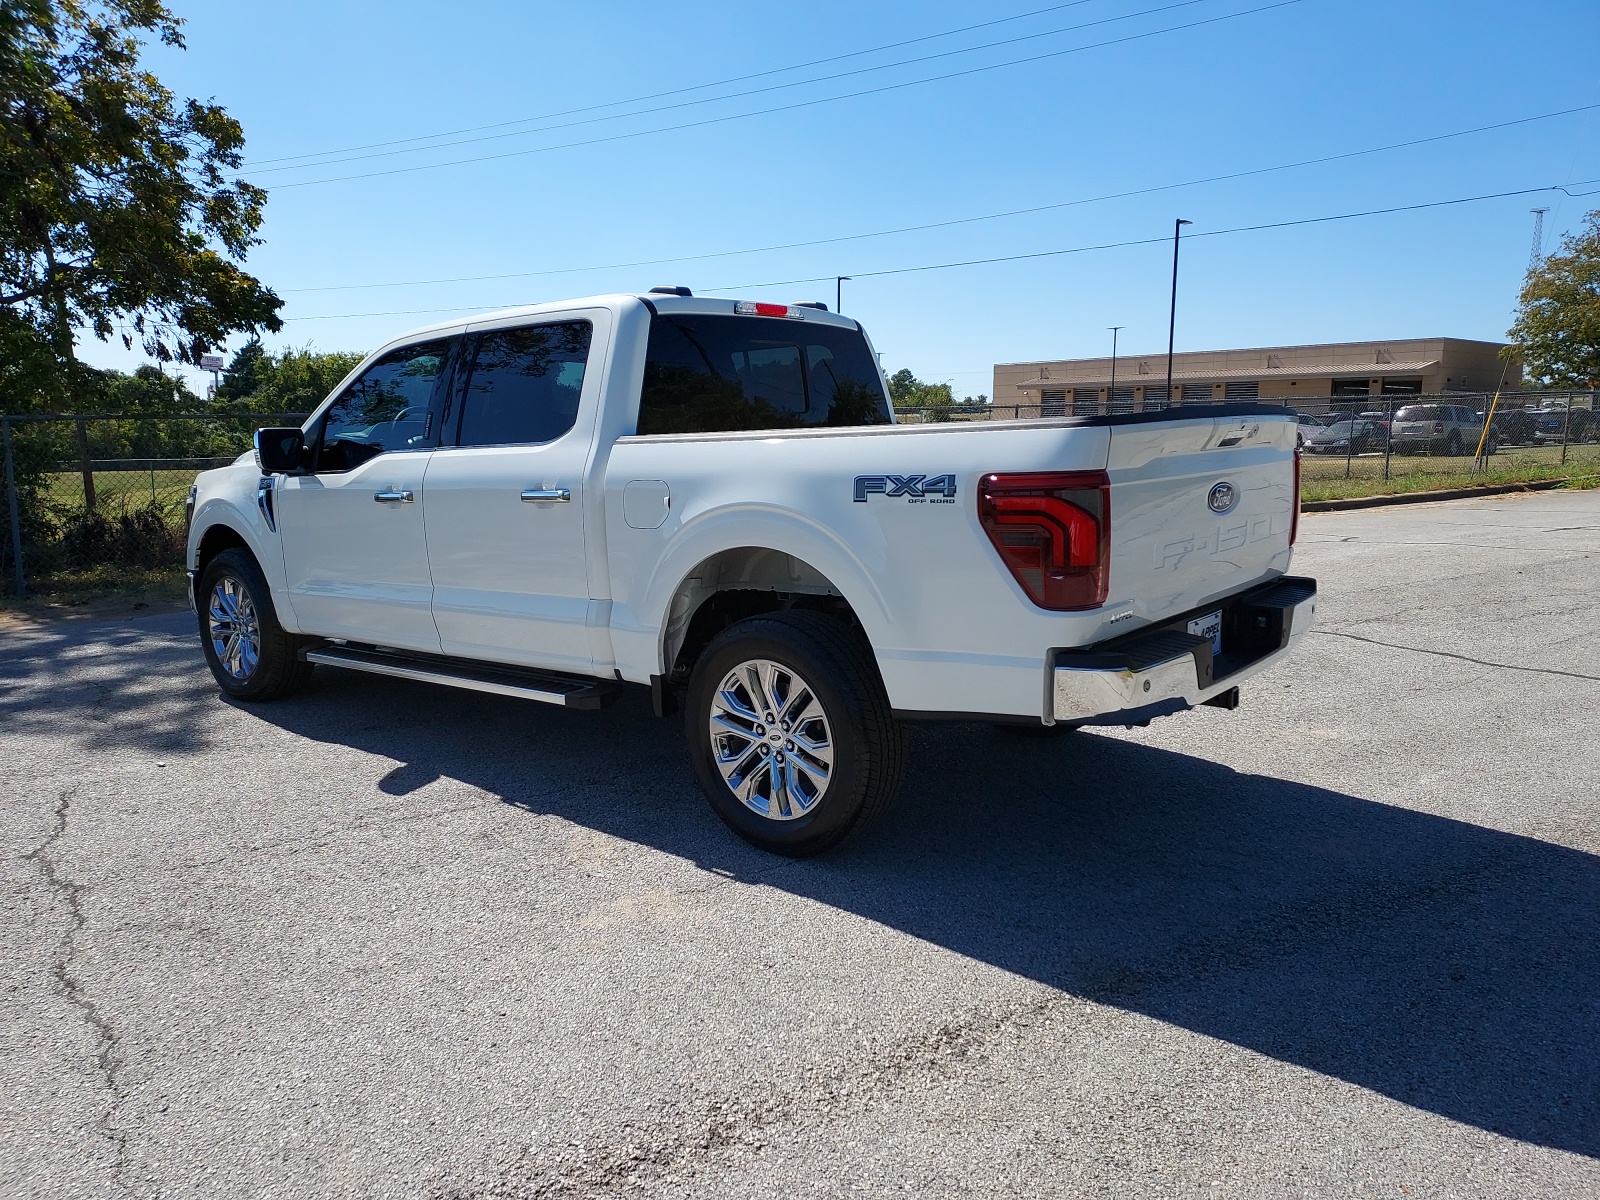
{"type": "Point", "coordinates": [1312, 377]}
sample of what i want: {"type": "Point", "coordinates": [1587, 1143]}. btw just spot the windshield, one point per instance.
{"type": "Point", "coordinates": [709, 373]}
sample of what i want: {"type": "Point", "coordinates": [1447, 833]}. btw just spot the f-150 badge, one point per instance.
{"type": "Point", "coordinates": [932, 489]}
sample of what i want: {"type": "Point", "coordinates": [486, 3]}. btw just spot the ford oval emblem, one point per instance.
{"type": "Point", "coordinates": [1223, 497]}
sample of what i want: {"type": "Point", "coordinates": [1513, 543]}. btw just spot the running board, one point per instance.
{"type": "Point", "coordinates": [567, 691]}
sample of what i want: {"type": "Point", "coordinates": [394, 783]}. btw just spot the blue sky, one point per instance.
{"type": "Point", "coordinates": [1303, 80]}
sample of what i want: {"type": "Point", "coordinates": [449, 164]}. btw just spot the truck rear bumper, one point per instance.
{"type": "Point", "coordinates": [1153, 672]}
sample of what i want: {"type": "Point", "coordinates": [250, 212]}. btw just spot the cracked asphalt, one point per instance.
{"type": "Point", "coordinates": [388, 940]}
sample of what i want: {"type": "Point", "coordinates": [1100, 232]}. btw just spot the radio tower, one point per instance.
{"type": "Point", "coordinates": [1537, 256]}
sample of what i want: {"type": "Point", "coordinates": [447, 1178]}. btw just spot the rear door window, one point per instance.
{"type": "Point", "coordinates": [709, 373]}
{"type": "Point", "coordinates": [524, 384]}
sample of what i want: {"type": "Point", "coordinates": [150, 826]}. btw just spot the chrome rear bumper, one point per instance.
{"type": "Point", "coordinates": [1165, 670]}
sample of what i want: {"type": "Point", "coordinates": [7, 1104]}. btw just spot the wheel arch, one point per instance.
{"type": "Point", "coordinates": [742, 581]}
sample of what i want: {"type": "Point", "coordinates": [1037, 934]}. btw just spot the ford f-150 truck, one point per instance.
{"type": "Point", "coordinates": [711, 498]}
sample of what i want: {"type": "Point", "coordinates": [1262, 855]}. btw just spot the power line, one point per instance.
{"type": "Point", "coordinates": [1164, 239]}
{"type": "Point", "coordinates": [698, 87]}
{"type": "Point", "coordinates": [799, 104]}
{"type": "Point", "coordinates": [1036, 254]}
{"type": "Point", "coordinates": [946, 224]}
{"type": "Point", "coordinates": [775, 87]}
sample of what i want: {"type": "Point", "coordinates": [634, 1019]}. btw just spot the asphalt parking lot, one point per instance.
{"type": "Point", "coordinates": [388, 940]}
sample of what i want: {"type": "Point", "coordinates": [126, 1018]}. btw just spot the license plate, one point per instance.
{"type": "Point", "coordinates": [1209, 626]}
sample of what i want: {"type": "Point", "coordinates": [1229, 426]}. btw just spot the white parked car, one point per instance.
{"type": "Point", "coordinates": [710, 499]}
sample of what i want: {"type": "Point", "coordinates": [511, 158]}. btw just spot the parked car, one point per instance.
{"type": "Point", "coordinates": [1557, 422]}
{"type": "Point", "coordinates": [710, 501]}
{"type": "Point", "coordinates": [1337, 438]}
{"type": "Point", "coordinates": [1512, 426]}
{"type": "Point", "coordinates": [1452, 429]}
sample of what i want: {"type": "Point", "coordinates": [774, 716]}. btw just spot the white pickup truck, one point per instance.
{"type": "Point", "coordinates": [712, 499]}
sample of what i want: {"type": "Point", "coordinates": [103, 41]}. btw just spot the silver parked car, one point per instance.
{"type": "Point", "coordinates": [1451, 429]}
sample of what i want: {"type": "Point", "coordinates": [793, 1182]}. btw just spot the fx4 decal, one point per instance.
{"type": "Point", "coordinates": [932, 489]}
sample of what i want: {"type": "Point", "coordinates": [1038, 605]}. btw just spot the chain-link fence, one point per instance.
{"type": "Point", "coordinates": [1387, 437]}
{"type": "Point", "coordinates": [96, 502]}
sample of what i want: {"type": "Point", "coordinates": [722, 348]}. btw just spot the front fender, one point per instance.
{"type": "Point", "coordinates": [231, 502]}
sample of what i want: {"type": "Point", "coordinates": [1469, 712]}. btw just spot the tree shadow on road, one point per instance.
{"type": "Point", "coordinates": [1448, 966]}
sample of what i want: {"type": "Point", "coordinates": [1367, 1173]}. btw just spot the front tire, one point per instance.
{"type": "Point", "coordinates": [790, 733]}
{"type": "Point", "coordinates": [248, 651]}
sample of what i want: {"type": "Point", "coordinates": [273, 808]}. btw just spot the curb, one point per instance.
{"type": "Point", "coordinates": [1466, 493]}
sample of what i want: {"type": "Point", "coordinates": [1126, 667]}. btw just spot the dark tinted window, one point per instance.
{"type": "Point", "coordinates": [715, 374]}
{"type": "Point", "coordinates": [524, 385]}
{"type": "Point", "coordinates": [385, 409]}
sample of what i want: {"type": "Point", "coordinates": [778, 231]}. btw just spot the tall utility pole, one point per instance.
{"type": "Point", "coordinates": [1537, 256]}
{"type": "Point", "coordinates": [838, 292]}
{"type": "Point", "coordinates": [1111, 397]}
{"type": "Point", "coordinates": [1172, 315]}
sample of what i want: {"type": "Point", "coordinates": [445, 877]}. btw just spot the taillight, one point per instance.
{"type": "Point", "coordinates": [1294, 516]}
{"type": "Point", "coordinates": [1438, 426]}
{"type": "Point", "coordinates": [1053, 532]}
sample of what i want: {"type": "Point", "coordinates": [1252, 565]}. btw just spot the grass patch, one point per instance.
{"type": "Point", "coordinates": [120, 489]}
{"type": "Point", "coordinates": [109, 588]}
{"type": "Point", "coordinates": [1499, 473]}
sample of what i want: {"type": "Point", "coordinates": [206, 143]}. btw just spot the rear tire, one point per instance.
{"type": "Point", "coordinates": [248, 651]}
{"type": "Point", "coordinates": [790, 733]}
{"type": "Point", "coordinates": [1453, 447]}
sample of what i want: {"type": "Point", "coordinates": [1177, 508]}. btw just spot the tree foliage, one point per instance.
{"type": "Point", "coordinates": [907, 391]}
{"type": "Point", "coordinates": [933, 400]}
{"type": "Point", "coordinates": [119, 211]}
{"type": "Point", "coordinates": [1557, 330]}
{"type": "Point", "coordinates": [291, 381]}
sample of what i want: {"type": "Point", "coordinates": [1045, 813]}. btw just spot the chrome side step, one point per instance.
{"type": "Point", "coordinates": [567, 691]}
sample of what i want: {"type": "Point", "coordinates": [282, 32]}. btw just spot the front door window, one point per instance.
{"type": "Point", "coordinates": [387, 408]}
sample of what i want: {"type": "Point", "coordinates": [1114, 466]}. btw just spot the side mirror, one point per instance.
{"type": "Point", "coordinates": [279, 450]}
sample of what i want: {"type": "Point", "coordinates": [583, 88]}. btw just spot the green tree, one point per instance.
{"type": "Point", "coordinates": [119, 211]}
{"type": "Point", "coordinates": [903, 387]}
{"type": "Point", "coordinates": [291, 381]}
{"type": "Point", "coordinates": [1557, 330]}
{"type": "Point", "coordinates": [246, 372]}
{"type": "Point", "coordinates": [907, 391]}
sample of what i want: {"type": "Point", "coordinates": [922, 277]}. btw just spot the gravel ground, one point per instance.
{"type": "Point", "coordinates": [389, 940]}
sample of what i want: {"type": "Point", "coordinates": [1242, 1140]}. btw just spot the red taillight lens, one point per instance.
{"type": "Point", "coordinates": [1053, 532]}
{"type": "Point", "coordinates": [758, 308]}
{"type": "Point", "coordinates": [1294, 516]}
{"type": "Point", "coordinates": [1438, 426]}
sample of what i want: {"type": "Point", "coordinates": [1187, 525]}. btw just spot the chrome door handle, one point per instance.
{"type": "Point", "coordinates": [546, 496]}
{"type": "Point", "coordinates": [403, 496]}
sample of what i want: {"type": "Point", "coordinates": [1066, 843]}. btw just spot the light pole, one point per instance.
{"type": "Point", "coordinates": [838, 292]}
{"type": "Point", "coordinates": [1172, 315]}
{"type": "Point", "coordinates": [1111, 394]}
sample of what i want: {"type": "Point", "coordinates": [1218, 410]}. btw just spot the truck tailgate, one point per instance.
{"type": "Point", "coordinates": [1200, 507]}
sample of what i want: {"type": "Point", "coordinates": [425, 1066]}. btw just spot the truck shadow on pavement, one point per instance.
{"type": "Point", "coordinates": [1451, 967]}
{"type": "Point", "coordinates": [1448, 966]}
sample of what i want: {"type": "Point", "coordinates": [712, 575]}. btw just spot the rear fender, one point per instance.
{"type": "Point", "coordinates": [821, 563]}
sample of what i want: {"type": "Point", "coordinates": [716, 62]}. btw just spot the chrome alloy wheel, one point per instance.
{"type": "Point", "coordinates": [770, 740]}
{"type": "Point", "coordinates": [234, 628]}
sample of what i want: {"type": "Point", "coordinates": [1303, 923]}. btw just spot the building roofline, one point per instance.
{"type": "Point", "coordinates": [1162, 354]}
